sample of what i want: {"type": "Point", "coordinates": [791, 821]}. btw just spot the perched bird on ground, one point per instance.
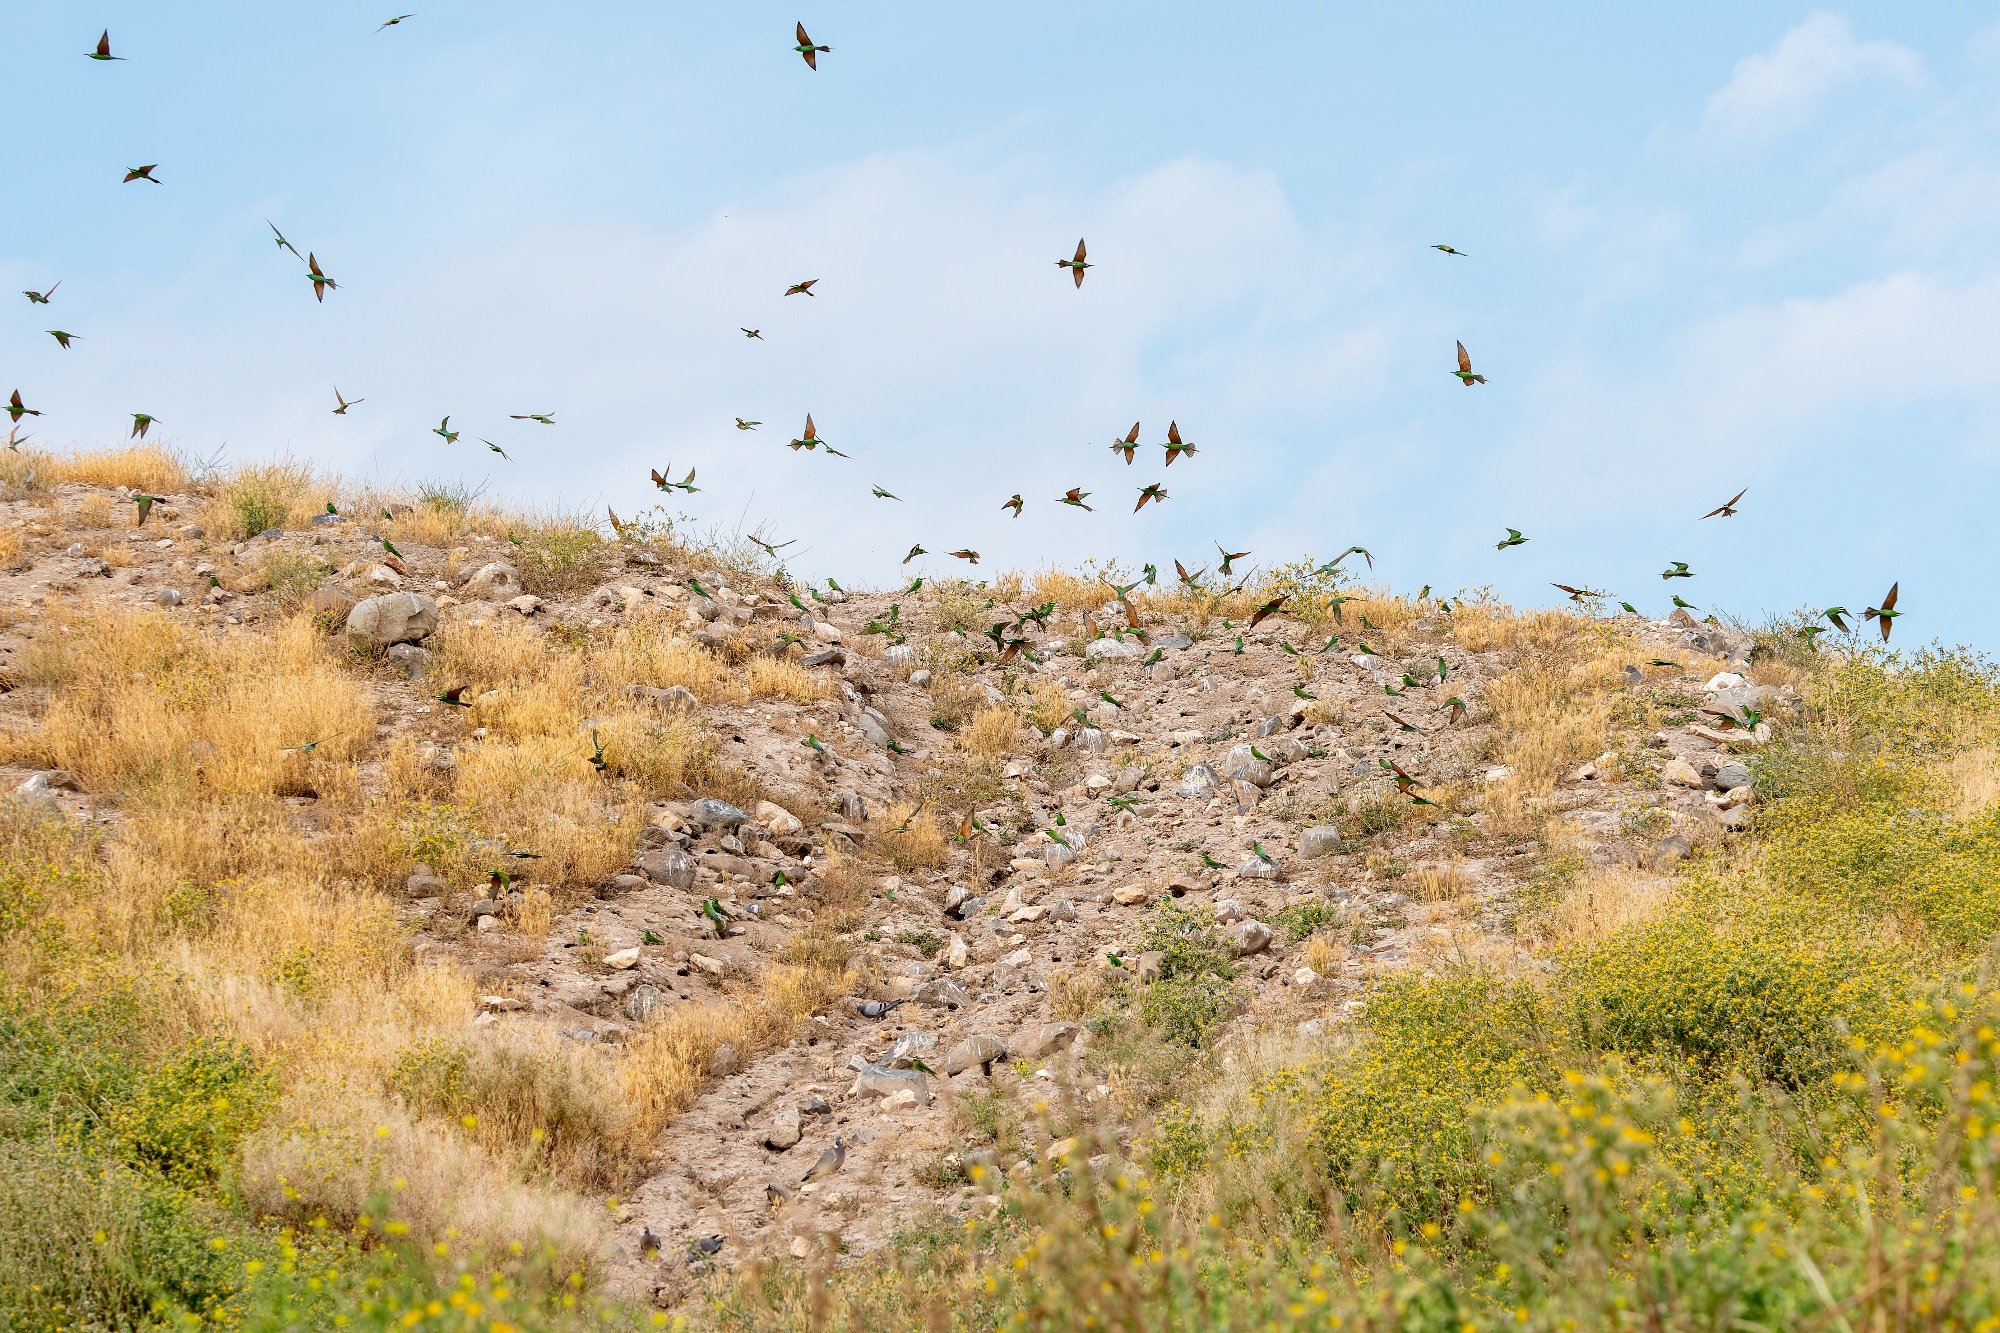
{"type": "Point", "coordinates": [1457, 707]}
{"type": "Point", "coordinates": [878, 1008]}
{"type": "Point", "coordinates": [1175, 446]}
{"type": "Point", "coordinates": [321, 283]}
{"type": "Point", "coordinates": [15, 409]}
{"type": "Point", "coordinates": [342, 404]}
{"type": "Point", "coordinates": [1155, 491]}
{"type": "Point", "coordinates": [1077, 265]}
{"type": "Point", "coordinates": [741, 424]}
{"type": "Point", "coordinates": [455, 696]}
{"type": "Point", "coordinates": [1464, 371]}
{"type": "Point", "coordinates": [1014, 502]}
{"type": "Point", "coordinates": [1075, 496]}
{"type": "Point", "coordinates": [758, 334]}
{"type": "Point", "coordinates": [146, 502]}
{"type": "Point", "coordinates": [1448, 250]}
{"type": "Point", "coordinates": [704, 1247]}
{"type": "Point", "coordinates": [802, 288]}
{"type": "Point", "coordinates": [141, 423]}
{"type": "Point", "coordinates": [63, 337]}
{"type": "Point", "coordinates": [443, 430]}
{"type": "Point", "coordinates": [597, 759]}
{"type": "Point", "coordinates": [807, 49]}
{"type": "Point", "coordinates": [390, 24]}
{"type": "Point", "coordinates": [144, 173]}
{"type": "Point", "coordinates": [1129, 445]}
{"type": "Point", "coordinates": [1513, 538]}
{"type": "Point", "coordinates": [649, 1244]}
{"type": "Point", "coordinates": [545, 418]}
{"type": "Point", "coordinates": [1727, 507]}
{"type": "Point", "coordinates": [1886, 612]}
{"type": "Point", "coordinates": [42, 298]}
{"type": "Point", "coordinates": [829, 1162]}
{"type": "Point", "coordinates": [103, 51]}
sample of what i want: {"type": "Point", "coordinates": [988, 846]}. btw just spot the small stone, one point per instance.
{"type": "Point", "coordinates": [1047, 1039]}
{"type": "Point", "coordinates": [1667, 851]}
{"type": "Point", "coordinates": [495, 582]}
{"type": "Point", "coordinates": [644, 1003]}
{"type": "Point", "coordinates": [1147, 965]}
{"type": "Point", "coordinates": [1680, 773]}
{"type": "Point", "coordinates": [943, 994]}
{"type": "Point", "coordinates": [1028, 915]}
{"type": "Point", "coordinates": [1731, 776]}
{"type": "Point", "coordinates": [1738, 819]}
{"type": "Point", "coordinates": [777, 820]}
{"type": "Point", "coordinates": [711, 813]}
{"type": "Point", "coordinates": [486, 923]}
{"type": "Point", "coordinates": [500, 1004]}
{"type": "Point", "coordinates": [526, 604]}
{"type": "Point", "coordinates": [1257, 868]}
{"type": "Point", "coordinates": [956, 953]}
{"type": "Point", "coordinates": [1018, 958]}
{"type": "Point", "coordinates": [1317, 842]}
{"type": "Point", "coordinates": [783, 1131]}
{"type": "Point", "coordinates": [875, 733]}
{"type": "Point", "coordinates": [1249, 937]}
{"type": "Point", "coordinates": [715, 967]}
{"type": "Point", "coordinates": [801, 1248]}
{"type": "Point", "coordinates": [623, 959]}
{"type": "Point", "coordinates": [1107, 648]}
{"type": "Point", "coordinates": [1198, 783]}
{"type": "Point", "coordinates": [1305, 976]}
{"type": "Point", "coordinates": [1130, 895]}
{"type": "Point", "coordinates": [409, 657]}
{"type": "Point", "coordinates": [169, 597]}
{"type": "Point", "coordinates": [670, 866]}
{"type": "Point", "coordinates": [982, 1049]}
{"type": "Point", "coordinates": [872, 1080]}
{"type": "Point", "coordinates": [1241, 764]}
{"type": "Point", "coordinates": [910, 1046]}
{"type": "Point", "coordinates": [726, 1061]}
{"type": "Point", "coordinates": [396, 617]}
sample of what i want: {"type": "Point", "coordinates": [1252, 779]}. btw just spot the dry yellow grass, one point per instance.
{"type": "Point", "coordinates": [140, 467]}
{"type": "Point", "coordinates": [261, 496]}
{"type": "Point", "coordinates": [13, 548]}
{"type": "Point", "coordinates": [1973, 779]}
{"type": "Point", "coordinates": [991, 732]}
{"type": "Point", "coordinates": [1049, 704]}
{"type": "Point", "coordinates": [1440, 882]}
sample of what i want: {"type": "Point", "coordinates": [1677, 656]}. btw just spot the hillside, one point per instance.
{"type": "Point", "coordinates": [408, 906]}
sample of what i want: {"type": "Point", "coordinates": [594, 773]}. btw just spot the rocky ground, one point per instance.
{"type": "Point", "coordinates": [1196, 772]}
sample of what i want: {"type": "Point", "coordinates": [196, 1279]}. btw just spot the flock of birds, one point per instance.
{"type": "Point", "coordinates": [809, 439]}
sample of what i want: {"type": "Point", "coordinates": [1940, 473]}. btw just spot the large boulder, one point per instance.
{"type": "Point", "coordinates": [495, 582]}
{"type": "Point", "coordinates": [393, 617]}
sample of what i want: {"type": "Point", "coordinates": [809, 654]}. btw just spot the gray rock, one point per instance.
{"type": "Point", "coordinates": [981, 1048]}
{"type": "Point", "coordinates": [726, 1061]}
{"type": "Point", "coordinates": [824, 657]}
{"type": "Point", "coordinates": [900, 654]}
{"type": "Point", "coordinates": [1109, 649]}
{"type": "Point", "coordinates": [784, 1130]}
{"type": "Point", "coordinates": [393, 617]}
{"type": "Point", "coordinates": [877, 1081]}
{"type": "Point", "coordinates": [1173, 643]}
{"type": "Point", "coordinates": [1731, 776]}
{"type": "Point", "coordinates": [911, 1045]}
{"type": "Point", "coordinates": [1249, 937]}
{"type": "Point", "coordinates": [412, 659]}
{"type": "Point", "coordinates": [37, 790]}
{"type": "Point", "coordinates": [1091, 740]}
{"type": "Point", "coordinates": [1257, 868]}
{"type": "Point", "coordinates": [1241, 764]}
{"type": "Point", "coordinates": [1667, 851]}
{"type": "Point", "coordinates": [1738, 819]}
{"type": "Point", "coordinates": [169, 597]}
{"type": "Point", "coordinates": [1055, 854]}
{"type": "Point", "coordinates": [1047, 1039]}
{"type": "Point", "coordinates": [711, 813]}
{"type": "Point", "coordinates": [875, 733]}
{"type": "Point", "coordinates": [484, 907]}
{"type": "Point", "coordinates": [333, 604]}
{"type": "Point", "coordinates": [943, 993]}
{"type": "Point", "coordinates": [1317, 842]}
{"type": "Point", "coordinates": [852, 808]}
{"type": "Point", "coordinates": [1198, 783]}
{"type": "Point", "coordinates": [644, 1002]}
{"type": "Point", "coordinates": [328, 520]}
{"type": "Point", "coordinates": [670, 866]}
{"type": "Point", "coordinates": [495, 582]}
{"type": "Point", "coordinates": [969, 907]}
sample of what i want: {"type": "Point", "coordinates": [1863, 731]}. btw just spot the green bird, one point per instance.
{"type": "Point", "coordinates": [342, 404]}
{"type": "Point", "coordinates": [141, 423]}
{"type": "Point", "coordinates": [1392, 690]}
{"type": "Point", "coordinates": [1464, 371]}
{"type": "Point", "coordinates": [597, 760]}
{"type": "Point", "coordinates": [694, 586]}
{"type": "Point", "coordinates": [648, 937]}
{"type": "Point", "coordinates": [42, 298]}
{"type": "Point", "coordinates": [498, 450]}
{"type": "Point", "coordinates": [321, 283]}
{"type": "Point", "coordinates": [1076, 267]}
{"type": "Point", "coordinates": [1156, 491]}
{"type": "Point", "coordinates": [1661, 662]}
{"type": "Point", "coordinates": [1074, 497]}
{"type": "Point", "coordinates": [1056, 837]}
{"type": "Point", "coordinates": [455, 696]}
{"type": "Point", "coordinates": [1448, 250]}
{"type": "Point", "coordinates": [1239, 645]}
{"type": "Point", "coordinates": [812, 742]}
{"type": "Point", "coordinates": [806, 48]}
{"type": "Point", "coordinates": [394, 21]}
{"type": "Point", "coordinates": [915, 551]}
{"type": "Point", "coordinates": [1884, 614]}
{"type": "Point", "coordinates": [741, 424]}
{"type": "Point", "coordinates": [1513, 538]}
{"type": "Point", "coordinates": [63, 337]}
{"type": "Point", "coordinates": [1361, 646]}
{"type": "Point", "coordinates": [1125, 802]}
{"type": "Point", "coordinates": [915, 584]}
{"type": "Point", "coordinates": [544, 418]}
{"type": "Point", "coordinates": [144, 173]}
{"type": "Point", "coordinates": [1015, 503]}
{"type": "Point", "coordinates": [304, 747]}
{"type": "Point", "coordinates": [717, 914]}
{"type": "Point", "coordinates": [1332, 642]}
{"type": "Point", "coordinates": [1212, 863]}
{"type": "Point", "coordinates": [1287, 649]}
{"type": "Point", "coordinates": [1262, 855]}
{"type": "Point", "coordinates": [1629, 608]}
{"type": "Point", "coordinates": [772, 551]}
{"type": "Point", "coordinates": [1444, 670]}
{"type": "Point", "coordinates": [1114, 959]}
{"type": "Point", "coordinates": [1106, 695]}
{"type": "Point", "coordinates": [1158, 653]}
{"type": "Point", "coordinates": [835, 586]}
{"type": "Point", "coordinates": [145, 503]}
{"type": "Point", "coordinates": [390, 547]}
{"type": "Point", "coordinates": [444, 431]}
{"type": "Point", "coordinates": [283, 244]}
{"type": "Point", "coordinates": [803, 288]}
{"type": "Point", "coordinates": [1175, 447]}
{"type": "Point", "coordinates": [793, 598]}
{"type": "Point", "coordinates": [103, 51]}
{"type": "Point", "coordinates": [1457, 707]}
{"type": "Point", "coordinates": [1685, 606]}
{"type": "Point", "coordinates": [897, 747]}
{"type": "Point", "coordinates": [1260, 756]}
{"type": "Point", "coordinates": [1677, 570]}
{"type": "Point", "coordinates": [1301, 692]}
{"type": "Point", "coordinates": [665, 483]}
{"type": "Point", "coordinates": [1832, 613]}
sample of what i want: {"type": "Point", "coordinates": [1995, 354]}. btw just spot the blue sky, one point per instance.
{"type": "Point", "coordinates": [1710, 247]}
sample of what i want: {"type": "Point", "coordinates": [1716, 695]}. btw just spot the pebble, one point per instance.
{"type": "Point", "coordinates": [711, 813]}
{"type": "Point", "coordinates": [623, 958]}
{"type": "Point", "coordinates": [1317, 842]}
{"type": "Point", "coordinates": [1249, 937]}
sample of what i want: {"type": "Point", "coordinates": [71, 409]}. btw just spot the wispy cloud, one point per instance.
{"type": "Point", "coordinates": [1777, 92]}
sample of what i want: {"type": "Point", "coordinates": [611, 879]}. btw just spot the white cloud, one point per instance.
{"type": "Point", "coordinates": [1773, 94]}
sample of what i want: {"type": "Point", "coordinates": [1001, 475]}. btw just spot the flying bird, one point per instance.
{"type": "Point", "coordinates": [494, 447]}
{"type": "Point", "coordinates": [1678, 569]}
{"type": "Point", "coordinates": [283, 244]}
{"type": "Point", "coordinates": [1727, 507]}
{"type": "Point", "coordinates": [1886, 612]}
{"type": "Point", "coordinates": [807, 49]}
{"type": "Point", "coordinates": [62, 337]}
{"type": "Point", "coordinates": [1075, 496]}
{"type": "Point", "coordinates": [802, 288]}
{"type": "Point", "coordinates": [741, 424]}
{"type": "Point", "coordinates": [141, 423]}
{"type": "Point", "coordinates": [758, 334]}
{"type": "Point", "coordinates": [1464, 371]}
{"type": "Point", "coordinates": [144, 173]}
{"type": "Point", "coordinates": [443, 430]}
{"type": "Point", "coordinates": [16, 411]}
{"type": "Point", "coordinates": [145, 503]}
{"type": "Point", "coordinates": [1513, 538]}
{"type": "Point", "coordinates": [809, 440]}
{"type": "Point", "coordinates": [1014, 502]}
{"type": "Point", "coordinates": [343, 404]}
{"type": "Point", "coordinates": [321, 283]}
{"type": "Point", "coordinates": [1186, 577]}
{"type": "Point", "coordinates": [1577, 594]}
{"type": "Point", "coordinates": [1229, 558]}
{"type": "Point", "coordinates": [666, 483]}
{"type": "Point", "coordinates": [968, 555]}
{"type": "Point", "coordinates": [1129, 445]}
{"type": "Point", "coordinates": [1077, 265]}
{"type": "Point", "coordinates": [390, 24]}
{"type": "Point", "coordinates": [103, 51]}
{"type": "Point", "coordinates": [42, 298]}
{"type": "Point", "coordinates": [1269, 608]}
{"type": "Point", "coordinates": [1155, 491]}
{"type": "Point", "coordinates": [1448, 250]}
{"type": "Point", "coordinates": [545, 418]}
{"type": "Point", "coordinates": [881, 494]}
{"type": "Point", "coordinates": [1175, 446]}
